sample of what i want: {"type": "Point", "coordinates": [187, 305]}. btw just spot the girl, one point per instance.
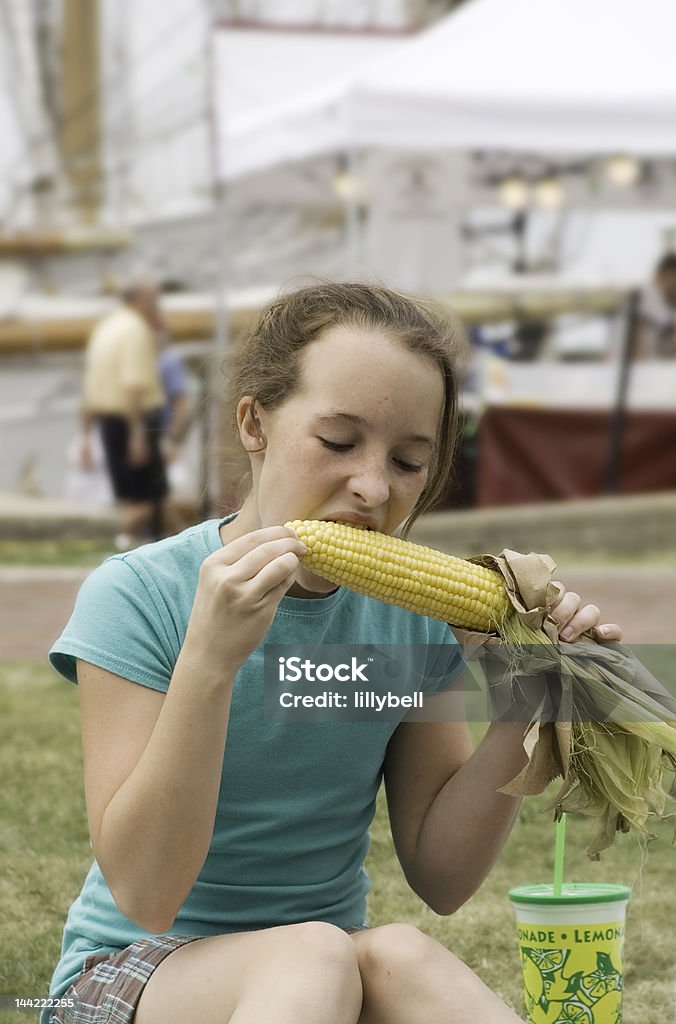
{"type": "Point", "coordinates": [228, 884]}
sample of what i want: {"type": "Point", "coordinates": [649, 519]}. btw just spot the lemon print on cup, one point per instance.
{"type": "Point", "coordinates": [572, 948]}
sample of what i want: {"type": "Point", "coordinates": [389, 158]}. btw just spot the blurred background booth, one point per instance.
{"type": "Point", "coordinates": [514, 160]}
{"type": "Point", "coordinates": [546, 106]}
{"type": "Point", "coordinates": [545, 436]}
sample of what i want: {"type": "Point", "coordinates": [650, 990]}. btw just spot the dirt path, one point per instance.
{"type": "Point", "coordinates": [34, 607]}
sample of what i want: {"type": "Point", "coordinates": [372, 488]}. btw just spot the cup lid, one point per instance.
{"type": "Point", "coordinates": [571, 892]}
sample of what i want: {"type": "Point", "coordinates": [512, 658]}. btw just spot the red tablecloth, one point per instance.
{"type": "Point", "coordinates": [531, 455]}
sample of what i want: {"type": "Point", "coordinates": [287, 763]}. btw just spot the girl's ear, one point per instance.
{"type": "Point", "coordinates": [249, 425]}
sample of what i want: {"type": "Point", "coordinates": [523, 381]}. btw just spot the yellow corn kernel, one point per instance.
{"type": "Point", "coordinates": [409, 575]}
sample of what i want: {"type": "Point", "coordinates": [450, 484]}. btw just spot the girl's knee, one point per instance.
{"type": "Point", "coordinates": [315, 949]}
{"type": "Point", "coordinates": [320, 960]}
{"type": "Point", "coordinates": [398, 950]}
{"type": "Point", "coordinates": [319, 940]}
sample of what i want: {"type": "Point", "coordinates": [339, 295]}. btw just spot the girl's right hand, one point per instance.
{"type": "Point", "coordinates": [239, 588]}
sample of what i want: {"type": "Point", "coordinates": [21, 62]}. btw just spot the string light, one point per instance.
{"type": "Point", "coordinates": [347, 182]}
{"type": "Point", "coordinates": [514, 193]}
{"type": "Point", "coordinates": [549, 193]}
{"type": "Point", "coordinates": [623, 170]}
{"type": "Point", "coordinates": [346, 185]}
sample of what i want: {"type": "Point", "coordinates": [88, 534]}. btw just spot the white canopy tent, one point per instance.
{"type": "Point", "coordinates": [562, 80]}
{"type": "Point", "coordinates": [542, 76]}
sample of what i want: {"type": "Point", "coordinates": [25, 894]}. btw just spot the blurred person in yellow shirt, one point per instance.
{"type": "Point", "coordinates": [123, 395]}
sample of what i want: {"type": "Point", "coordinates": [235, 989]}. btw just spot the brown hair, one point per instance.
{"type": "Point", "coordinates": [266, 364]}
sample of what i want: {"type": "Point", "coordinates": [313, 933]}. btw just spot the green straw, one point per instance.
{"type": "Point", "coordinates": [558, 854]}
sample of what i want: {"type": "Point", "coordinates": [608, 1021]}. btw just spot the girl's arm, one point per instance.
{"type": "Point", "coordinates": [152, 767]}
{"type": "Point", "coordinates": [153, 761]}
{"type": "Point", "coordinates": [449, 823]}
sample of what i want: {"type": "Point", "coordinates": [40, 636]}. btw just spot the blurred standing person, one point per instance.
{"type": "Point", "coordinates": [123, 394]}
{"type": "Point", "coordinates": [655, 336]}
{"type": "Point", "coordinates": [176, 420]}
{"type": "Point", "coordinates": [176, 413]}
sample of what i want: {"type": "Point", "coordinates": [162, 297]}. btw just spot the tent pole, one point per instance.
{"type": "Point", "coordinates": [213, 428]}
{"type": "Point", "coordinates": [352, 217]}
{"type": "Point", "coordinates": [213, 377]}
{"type": "Point", "coordinates": [619, 416]}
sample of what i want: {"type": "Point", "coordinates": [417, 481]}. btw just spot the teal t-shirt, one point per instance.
{"type": "Point", "coordinates": [296, 800]}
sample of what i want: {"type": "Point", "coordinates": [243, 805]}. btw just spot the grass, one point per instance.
{"type": "Point", "coordinates": [69, 553]}
{"type": "Point", "coordinates": [45, 854]}
{"type": "Point", "coordinates": [92, 552]}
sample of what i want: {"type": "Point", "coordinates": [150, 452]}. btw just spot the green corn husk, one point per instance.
{"type": "Point", "coordinates": [622, 739]}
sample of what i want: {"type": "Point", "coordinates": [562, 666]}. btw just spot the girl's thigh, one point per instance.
{"type": "Point", "coordinates": [208, 979]}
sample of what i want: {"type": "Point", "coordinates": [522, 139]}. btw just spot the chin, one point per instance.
{"type": "Point", "coordinates": [314, 584]}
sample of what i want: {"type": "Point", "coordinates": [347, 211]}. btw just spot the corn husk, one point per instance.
{"type": "Point", "coordinates": [600, 720]}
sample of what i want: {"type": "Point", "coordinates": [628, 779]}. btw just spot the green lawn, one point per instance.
{"type": "Point", "coordinates": [55, 552]}
{"type": "Point", "coordinates": [92, 552]}
{"type": "Point", "coordinates": [44, 856]}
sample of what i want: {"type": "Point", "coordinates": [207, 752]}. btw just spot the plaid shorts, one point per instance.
{"type": "Point", "coordinates": [110, 985]}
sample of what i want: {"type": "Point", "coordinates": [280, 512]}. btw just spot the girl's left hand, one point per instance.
{"type": "Point", "coordinates": [573, 618]}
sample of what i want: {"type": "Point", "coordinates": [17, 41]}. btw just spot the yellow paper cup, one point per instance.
{"type": "Point", "coordinates": [572, 951]}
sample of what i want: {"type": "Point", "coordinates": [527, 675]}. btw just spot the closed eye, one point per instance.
{"type": "Point", "coordinates": [408, 467]}
{"type": "Point", "coordinates": [334, 446]}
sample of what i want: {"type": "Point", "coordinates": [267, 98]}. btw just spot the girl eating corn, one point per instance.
{"type": "Point", "coordinates": [228, 883]}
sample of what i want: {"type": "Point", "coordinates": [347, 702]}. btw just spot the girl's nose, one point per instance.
{"type": "Point", "coordinates": [371, 484]}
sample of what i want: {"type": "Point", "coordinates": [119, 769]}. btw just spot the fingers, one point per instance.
{"type": "Point", "coordinates": [565, 611]}
{"type": "Point", "coordinates": [256, 564]}
{"type": "Point", "coordinates": [609, 631]}
{"type": "Point", "coordinates": [585, 618]}
{"type": "Point", "coordinates": [573, 618]}
{"type": "Point", "coordinates": [287, 551]}
{"type": "Point", "coordinates": [275, 577]}
{"type": "Point", "coordinates": [241, 546]}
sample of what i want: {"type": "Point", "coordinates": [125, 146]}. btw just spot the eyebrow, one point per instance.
{"type": "Point", "coordinates": [349, 417]}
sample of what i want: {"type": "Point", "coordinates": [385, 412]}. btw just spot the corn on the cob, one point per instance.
{"type": "Point", "coordinates": [409, 575]}
{"type": "Point", "coordinates": [631, 730]}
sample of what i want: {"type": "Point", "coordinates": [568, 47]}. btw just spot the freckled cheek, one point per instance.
{"type": "Point", "coordinates": [291, 457]}
{"type": "Point", "coordinates": [304, 468]}
{"type": "Point", "coordinates": [312, 460]}
{"type": "Point", "coordinates": [412, 487]}
{"type": "Point", "coordinates": [309, 462]}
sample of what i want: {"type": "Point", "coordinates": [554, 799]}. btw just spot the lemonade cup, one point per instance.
{"type": "Point", "coordinates": [571, 945]}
